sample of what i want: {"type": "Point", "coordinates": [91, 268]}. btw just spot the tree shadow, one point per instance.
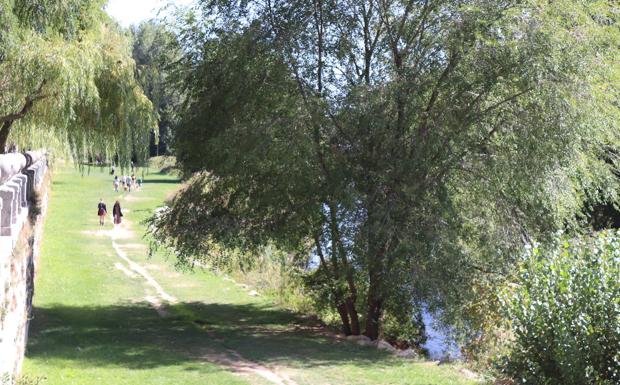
{"type": "Point", "coordinates": [161, 181]}
{"type": "Point", "coordinates": [133, 335]}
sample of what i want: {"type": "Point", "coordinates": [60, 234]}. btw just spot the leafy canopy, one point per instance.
{"type": "Point", "coordinates": [409, 147]}
{"type": "Point", "coordinates": [67, 80]}
{"type": "Point", "coordinates": [153, 50]}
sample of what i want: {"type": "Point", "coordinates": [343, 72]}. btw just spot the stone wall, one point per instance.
{"type": "Point", "coordinates": [23, 199]}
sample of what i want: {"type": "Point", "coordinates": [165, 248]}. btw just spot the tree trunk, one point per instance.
{"type": "Point", "coordinates": [338, 250]}
{"type": "Point", "coordinates": [375, 297]}
{"type": "Point", "coordinates": [346, 310]}
{"type": "Point", "coordinates": [373, 317]}
{"type": "Point", "coordinates": [4, 135]}
{"type": "Point", "coordinates": [8, 120]}
{"type": "Point", "coordinates": [354, 318]}
{"type": "Point", "coordinates": [344, 318]}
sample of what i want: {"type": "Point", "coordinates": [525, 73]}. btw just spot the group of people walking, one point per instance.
{"type": "Point", "coordinates": [127, 182]}
{"type": "Point", "coordinates": [102, 211]}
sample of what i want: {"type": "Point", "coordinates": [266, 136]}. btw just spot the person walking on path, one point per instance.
{"type": "Point", "coordinates": [117, 213]}
{"type": "Point", "coordinates": [102, 211]}
{"type": "Point", "coordinates": [116, 183]}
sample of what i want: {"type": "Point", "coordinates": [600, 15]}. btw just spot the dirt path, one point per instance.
{"type": "Point", "coordinates": [229, 359]}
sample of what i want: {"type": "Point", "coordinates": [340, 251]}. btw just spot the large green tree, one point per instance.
{"type": "Point", "coordinates": [411, 146]}
{"type": "Point", "coordinates": [154, 50]}
{"type": "Point", "coordinates": [67, 78]}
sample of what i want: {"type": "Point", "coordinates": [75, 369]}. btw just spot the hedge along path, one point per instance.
{"type": "Point", "coordinates": [231, 359]}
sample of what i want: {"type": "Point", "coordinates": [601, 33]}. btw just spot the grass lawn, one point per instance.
{"type": "Point", "coordinates": [95, 320]}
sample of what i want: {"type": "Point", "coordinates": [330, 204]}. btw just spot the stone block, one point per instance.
{"type": "Point", "coordinates": [39, 168]}
{"type": "Point", "coordinates": [7, 197]}
{"type": "Point", "coordinates": [407, 353]}
{"type": "Point", "coordinates": [30, 182]}
{"type": "Point", "coordinates": [17, 207]}
{"type": "Point", "coordinates": [384, 345]}
{"type": "Point", "coordinates": [22, 181]}
{"type": "Point", "coordinates": [10, 165]}
{"type": "Point", "coordinates": [34, 156]}
{"type": "Point", "coordinates": [358, 339]}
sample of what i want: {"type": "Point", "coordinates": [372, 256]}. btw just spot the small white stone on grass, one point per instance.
{"type": "Point", "coordinates": [253, 293]}
{"type": "Point", "coordinates": [360, 340]}
{"type": "Point", "coordinates": [469, 374]}
{"type": "Point", "coordinates": [407, 353]}
{"type": "Point", "coordinates": [384, 345]}
{"type": "Point", "coordinates": [357, 338]}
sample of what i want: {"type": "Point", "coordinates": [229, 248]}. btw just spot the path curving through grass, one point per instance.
{"type": "Point", "coordinates": [107, 313]}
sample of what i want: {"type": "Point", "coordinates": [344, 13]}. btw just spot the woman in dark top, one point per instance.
{"type": "Point", "coordinates": [102, 211]}
{"type": "Point", "coordinates": [117, 213]}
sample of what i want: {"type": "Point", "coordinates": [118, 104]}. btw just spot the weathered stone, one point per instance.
{"type": "Point", "coordinates": [6, 197]}
{"type": "Point", "coordinates": [11, 209]}
{"type": "Point", "coordinates": [19, 174]}
{"type": "Point", "coordinates": [17, 207]}
{"type": "Point", "coordinates": [365, 342]}
{"type": "Point", "coordinates": [30, 182]}
{"type": "Point", "coordinates": [407, 353]}
{"type": "Point", "coordinates": [35, 156]}
{"type": "Point", "coordinates": [358, 339]}
{"type": "Point", "coordinates": [41, 170]}
{"type": "Point", "coordinates": [384, 345]}
{"type": "Point", "coordinates": [10, 165]}
{"type": "Point", "coordinates": [22, 181]}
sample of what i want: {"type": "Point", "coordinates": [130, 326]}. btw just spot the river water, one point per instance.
{"type": "Point", "coordinates": [439, 343]}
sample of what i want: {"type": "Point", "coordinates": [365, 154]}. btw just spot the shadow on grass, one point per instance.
{"type": "Point", "coordinates": [161, 181]}
{"type": "Point", "coordinates": [134, 336]}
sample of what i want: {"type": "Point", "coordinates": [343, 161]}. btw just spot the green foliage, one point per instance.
{"type": "Point", "coordinates": [154, 50]}
{"type": "Point", "coordinates": [273, 273]}
{"type": "Point", "coordinates": [67, 80]}
{"type": "Point", "coordinates": [565, 313]}
{"type": "Point", "coordinates": [411, 149]}
{"type": "Point", "coordinates": [99, 329]}
{"type": "Point", "coordinates": [404, 326]}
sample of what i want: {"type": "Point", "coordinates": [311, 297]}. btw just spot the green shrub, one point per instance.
{"type": "Point", "coordinates": [404, 327]}
{"type": "Point", "coordinates": [565, 314]}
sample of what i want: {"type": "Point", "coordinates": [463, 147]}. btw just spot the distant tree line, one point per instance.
{"type": "Point", "coordinates": [154, 51]}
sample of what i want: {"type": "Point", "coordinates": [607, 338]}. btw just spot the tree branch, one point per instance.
{"type": "Point", "coordinates": [28, 104]}
{"type": "Point", "coordinates": [423, 129]}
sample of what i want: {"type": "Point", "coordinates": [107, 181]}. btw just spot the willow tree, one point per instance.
{"type": "Point", "coordinates": [413, 146]}
{"type": "Point", "coordinates": [67, 77]}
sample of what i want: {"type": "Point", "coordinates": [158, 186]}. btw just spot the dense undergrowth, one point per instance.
{"type": "Point", "coordinates": [565, 314]}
